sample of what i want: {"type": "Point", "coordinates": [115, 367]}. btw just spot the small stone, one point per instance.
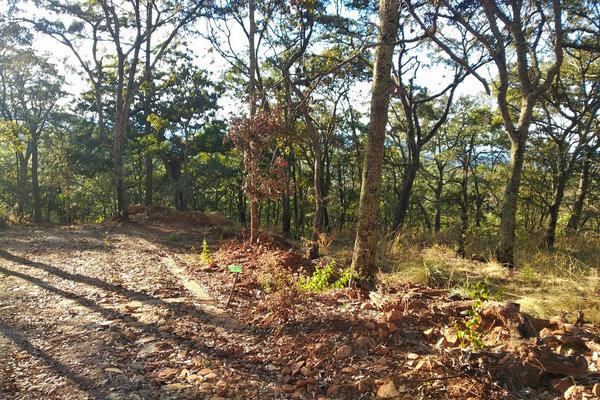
{"type": "Point", "coordinates": [387, 391]}
{"type": "Point", "coordinates": [382, 350]}
{"type": "Point", "coordinates": [343, 352]}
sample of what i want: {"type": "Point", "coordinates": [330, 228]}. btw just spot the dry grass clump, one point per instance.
{"type": "Point", "coordinates": [545, 283]}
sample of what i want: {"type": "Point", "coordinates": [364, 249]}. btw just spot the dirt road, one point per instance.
{"type": "Point", "coordinates": [87, 313]}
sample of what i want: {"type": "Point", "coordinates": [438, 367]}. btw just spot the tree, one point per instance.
{"type": "Point", "coordinates": [126, 28]}
{"type": "Point", "coordinates": [569, 114]}
{"type": "Point", "coordinates": [508, 31]}
{"type": "Point", "coordinates": [367, 230]}
{"type": "Point", "coordinates": [30, 90]}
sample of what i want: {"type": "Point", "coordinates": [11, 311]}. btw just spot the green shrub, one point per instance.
{"type": "Point", "coordinates": [205, 255]}
{"type": "Point", "coordinates": [324, 278]}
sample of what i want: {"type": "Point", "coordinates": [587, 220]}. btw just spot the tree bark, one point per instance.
{"type": "Point", "coordinates": [149, 184]}
{"type": "Point", "coordinates": [555, 207]}
{"type": "Point", "coordinates": [118, 168]}
{"type": "Point", "coordinates": [23, 187]}
{"type": "Point", "coordinates": [407, 185]}
{"type": "Point", "coordinates": [464, 208]}
{"type": "Point", "coordinates": [506, 245]}
{"type": "Point", "coordinates": [439, 187]}
{"type": "Point", "coordinates": [313, 252]}
{"type": "Point", "coordinates": [582, 189]}
{"type": "Point", "coordinates": [147, 99]}
{"type": "Point", "coordinates": [35, 185]}
{"type": "Point", "coordinates": [367, 232]}
{"type": "Point", "coordinates": [254, 217]}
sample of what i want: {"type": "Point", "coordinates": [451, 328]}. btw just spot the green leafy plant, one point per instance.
{"type": "Point", "coordinates": [471, 334]}
{"type": "Point", "coordinates": [205, 255]}
{"type": "Point", "coordinates": [323, 278]}
{"type": "Point", "coordinates": [346, 276]}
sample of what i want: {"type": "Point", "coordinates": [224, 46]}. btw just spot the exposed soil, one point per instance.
{"type": "Point", "coordinates": [130, 312]}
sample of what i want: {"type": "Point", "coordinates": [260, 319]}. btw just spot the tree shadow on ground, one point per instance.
{"type": "Point", "coordinates": [190, 342]}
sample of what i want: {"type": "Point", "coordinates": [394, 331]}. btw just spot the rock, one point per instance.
{"type": "Point", "coordinates": [343, 352]}
{"type": "Point", "coordinates": [575, 392]}
{"type": "Point", "coordinates": [387, 391]}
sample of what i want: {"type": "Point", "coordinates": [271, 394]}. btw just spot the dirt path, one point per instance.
{"type": "Point", "coordinates": [86, 313]}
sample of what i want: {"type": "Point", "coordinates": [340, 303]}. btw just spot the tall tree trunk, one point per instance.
{"type": "Point", "coordinates": [367, 230]}
{"type": "Point", "coordinates": [297, 222]}
{"type": "Point", "coordinates": [582, 189]}
{"type": "Point", "coordinates": [149, 173]}
{"type": "Point", "coordinates": [438, 204]}
{"type": "Point", "coordinates": [464, 208]}
{"type": "Point", "coordinates": [147, 99]}
{"type": "Point", "coordinates": [407, 185]}
{"type": "Point", "coordinates": [241, 203]}
{"type": "Point", "coordinates": [286, 214]}
{"type": "Point", "coordinates": [35, 184]}
{"type": "Point", "coordinates": [118, 168]}
{"type": "Point", "coordinates": [508, 224]}
{"type": "Point", "coordinates": [254, 217]}
{"type": "Point", "coordinates": [555, 207]}
{"type": "Point", "coordinates": [313, 252]}
{"type": "Point", "coordinates": [22, 162]}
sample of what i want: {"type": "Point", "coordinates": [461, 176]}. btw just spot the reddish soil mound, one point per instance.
{"type": "Point", "coordinates": [165, 215]}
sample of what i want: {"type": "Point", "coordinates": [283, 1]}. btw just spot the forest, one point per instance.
{"type": "Point", "coordinates": [305, 199]}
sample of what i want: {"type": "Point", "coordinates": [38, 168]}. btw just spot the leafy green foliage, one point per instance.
{"type": "Point", "coordinates": [205, 255]}
{"type": "Point", "coordinates": [324, 278]}
{"type": "Point", "coordinates": [470, 334]}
